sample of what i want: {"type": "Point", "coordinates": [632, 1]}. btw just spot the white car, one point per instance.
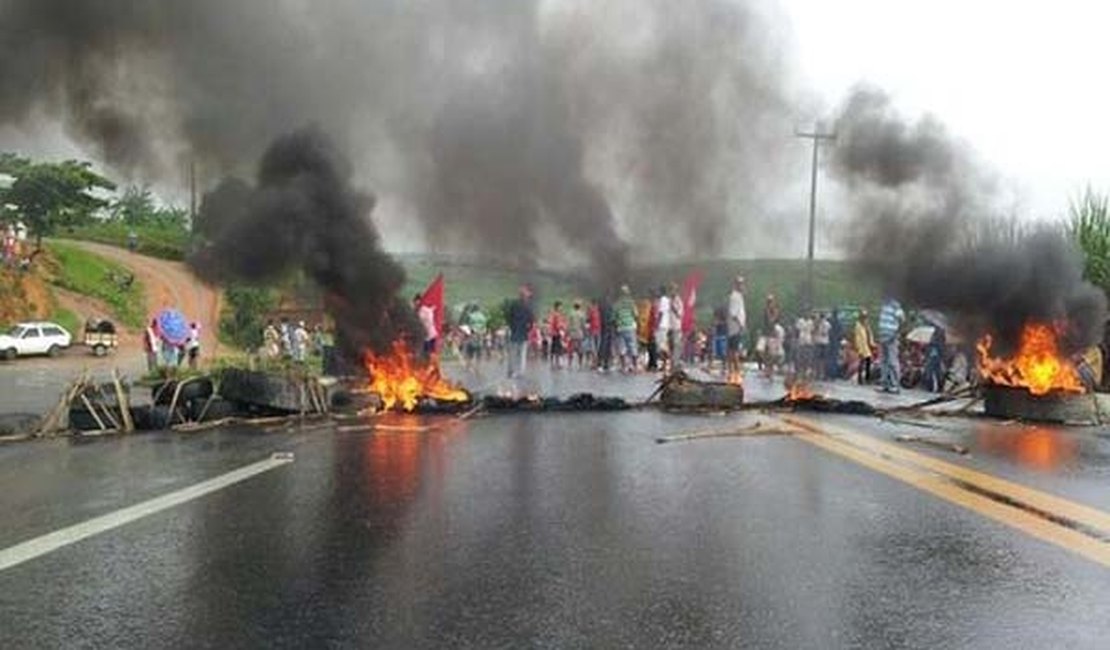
{"type": "Point", "coordinates": [34, 338]}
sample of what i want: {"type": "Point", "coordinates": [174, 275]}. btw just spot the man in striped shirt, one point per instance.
{"type": "Point", "coordinates": [891, 318]}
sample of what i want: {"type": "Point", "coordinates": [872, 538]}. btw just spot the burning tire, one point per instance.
{"type": "Point", "coordinates": [1059, 407]}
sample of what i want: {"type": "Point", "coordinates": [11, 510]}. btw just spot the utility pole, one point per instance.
{"type": "Point", "coordinates": [817, 135]}
{"type": "Point", "coordinates": [192, 193]}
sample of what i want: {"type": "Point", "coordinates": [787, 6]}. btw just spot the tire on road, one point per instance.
{"type": "Point", "coordinates": [81, 419]}
{"type": "Point", "coordinates": [100, 350]}
{"type": "Point", "coordinates": [160, 417]}
{"type": "Point", "coordinates": [141, 416]}
{"type": "Point", "coordinates": [162, 392]}
{"type": "Point", "coordinates": [53, 351]}
{"type": "Point", "coordinates": [218, 409]}
{"type": "Point", "coordinates": [10, 354]}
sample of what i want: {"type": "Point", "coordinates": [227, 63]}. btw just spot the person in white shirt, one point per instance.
{"type": "Point", "coordinates": [737, 325]}
{"type": "Point", "coordinates": [192, 345]}
{"type": "Point", "coordinates": [776, 351]}
{"type": "Point", "coordinates": [804, 358]}
{"type": "Point", "coordinates": [821, 332]}
{"type": "Point", "coordinates": [663, 328]}
{"type": "Point", "coordinates": [678, 308]}
{"type": "Point", "coordinates": [427, 316]}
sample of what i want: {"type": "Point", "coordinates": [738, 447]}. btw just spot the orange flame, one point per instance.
{"type": "Point", "coordinates": [1037, 367]}
{"type": "Point", "coordinates": [401, 380]}
{"type": "Point", "coordinates": [799, 391]}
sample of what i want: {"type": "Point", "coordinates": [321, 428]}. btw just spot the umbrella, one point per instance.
{"type": "Point", "coordinates": [921, 334]}
{"type": "Point", "coordinates": [172, 326]}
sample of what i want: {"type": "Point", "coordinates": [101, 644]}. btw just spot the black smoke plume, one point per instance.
{"type": "Point", "coordinates": [303, 214]}
{"type": "Point", "coordinates": [926, 224]}
{"type": "Point", "coordinates": [528, 132]}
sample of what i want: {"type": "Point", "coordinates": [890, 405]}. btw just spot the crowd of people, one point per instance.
{"type": "Point", "coordinates": [162, 353]}
{"type": "Point", "coordinates": [652, 333]}
{"type": "Point", "coordinates": [285, 340]}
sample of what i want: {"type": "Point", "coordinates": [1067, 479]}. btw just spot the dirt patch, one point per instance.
{"type": "Point", "coordinates": [86, 307]}
{"type": "Point", "coordinates": [169, 284]}
{"type": "Point", "coordinates": [23, 296]}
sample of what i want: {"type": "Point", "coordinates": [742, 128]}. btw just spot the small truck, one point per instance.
{"type": "Point", "coordinates": [100, 336]}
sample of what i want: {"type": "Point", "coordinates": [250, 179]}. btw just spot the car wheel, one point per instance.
{"type": "Point", "coordinates": [9, 354]}
{"type": "Point", "coordinates": [100, 350]}
{"type": "Point", "coordinates": [53, 351]}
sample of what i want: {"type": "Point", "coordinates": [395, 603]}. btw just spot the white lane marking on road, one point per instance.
{"type": "Point", "coordinates": [38, 546]}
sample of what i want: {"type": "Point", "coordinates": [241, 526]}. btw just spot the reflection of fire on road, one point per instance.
{"type": "Point", "coordinates": [1036, 447]}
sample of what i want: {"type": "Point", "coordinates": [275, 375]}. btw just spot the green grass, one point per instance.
{"type": "Point", "coordinates": [167, 242]}
{"type": "Point", "coordinates": [68, 320]}
{"type": "Point", "coordinates": [88, 274]}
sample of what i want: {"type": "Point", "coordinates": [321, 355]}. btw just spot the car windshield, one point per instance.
{"type": "Point", "coordinates": [16, 332]}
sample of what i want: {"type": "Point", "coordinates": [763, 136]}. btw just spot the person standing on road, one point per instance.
{"type": "Point", "coordinates": [864, 342]}
{"type": "Point", "coordinates": [192, 345]}
{"type": "Point", "coordinates": [592, 342]}
{"type": "Point", "coordinates": [271, 341]}
{"type": "Point", "coordinates": [663, 329]}
{"type": "Point", "coordinates": [286, 332]}
{"type": "Point", "coordinates": [737, 326]}
{"type": "Point", "coordinates": [152, 345]}
{"type": "Point", "coordinates": [677, 342]}
{"type": "Point", "coordinates": [624, 313]}
{"type": "Point", "coordinates": [803, 353]}
{"type": "Point", "coordinates": [557, 330]}
{"type": "Point", "coordinates": [644, 338]}
{"type": "Point", "coordinates": [833, 363]}
{"type": "Point", "coordinates": [520, 319]}
{"type": "Point", "coordinates": [301, 340]}
{"type": "Point", "coordinates": [821, 331]}
{"type": "Point", "coordinates": [891, 319]}
{"type": "Point", "coordinates": [576, 334]}
{"type": "Point", "coordinates": [427, 316]}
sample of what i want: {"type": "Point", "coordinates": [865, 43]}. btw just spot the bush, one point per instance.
{"type": "Point", "coordinates": [165, 241]}
{"type": "Point", "coordinates": [244, 315]}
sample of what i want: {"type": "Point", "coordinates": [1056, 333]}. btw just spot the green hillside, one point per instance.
{"type": "Point", "coordinates": [835, 282]}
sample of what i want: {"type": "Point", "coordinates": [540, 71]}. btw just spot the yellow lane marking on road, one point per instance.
{"type": "Point", "coordinates": [942, 487]}
{"type": "Point", "coordinates": [1081, 514]}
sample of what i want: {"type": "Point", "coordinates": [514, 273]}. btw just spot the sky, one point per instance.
{"type": "Point", "coordinates": [1022, 81]}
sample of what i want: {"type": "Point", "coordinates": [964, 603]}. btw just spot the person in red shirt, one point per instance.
{"type": "Point", "coordinates": [557, 330]}
{"type": "Point", "coordinates": [593, 334]}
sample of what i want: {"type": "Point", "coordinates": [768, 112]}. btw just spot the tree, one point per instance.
{"type": "Point", "coordinates": [1089, 227]}
{"type": "Point", "coordinates": [48, 196]}
{"type": "Point", "coordinates": [136, 206]}
{"type": "Point", "coordinates": [244, 314]}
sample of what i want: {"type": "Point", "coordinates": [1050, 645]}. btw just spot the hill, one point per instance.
{"type": "Point", "coordinates": [489, 285]}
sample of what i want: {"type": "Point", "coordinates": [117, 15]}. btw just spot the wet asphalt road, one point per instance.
{"type": "Point", "coordinates": [555, 531]}
{"type": "Point", "coordinates": [34, 384]}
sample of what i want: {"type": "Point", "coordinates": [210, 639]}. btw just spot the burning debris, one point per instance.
{"type": "Point", "coordinates": [1037, 366]}
{"type": "Point", "coordinates": [926, 227]}
{"type": "Point", "coordinates": [403, 382]}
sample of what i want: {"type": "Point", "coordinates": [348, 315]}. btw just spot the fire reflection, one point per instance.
{"type": "Point", "coordinates": [399, 459]}
{"type": "Point", "coordinates": [1039, 448]}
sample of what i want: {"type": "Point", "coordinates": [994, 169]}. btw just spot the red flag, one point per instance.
{"type": "Point", "coordinates": [433, 297]}
{"type": "Point", "coordinates": [690, 300]}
